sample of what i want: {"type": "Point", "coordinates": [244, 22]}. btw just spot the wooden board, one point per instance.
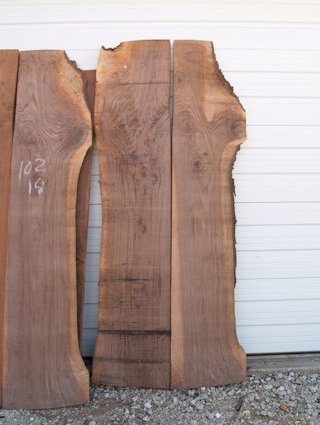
{"type": "Point", "coordinates": [208, 127]}
{"type": "Point", "coordinates": [8, 80]}
{"type": "Point", "coordinates": [133, 137]}
{"type": "Point", "coordinates": [42, 363]}
{"type": "Point", "coordinates": [83, 200]}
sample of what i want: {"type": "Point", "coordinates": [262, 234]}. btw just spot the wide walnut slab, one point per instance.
{"type": "Point", "coordinates": [42, 363]}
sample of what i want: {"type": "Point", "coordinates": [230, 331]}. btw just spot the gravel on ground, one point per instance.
{"type": "Point", "coordinates": [276, 398]}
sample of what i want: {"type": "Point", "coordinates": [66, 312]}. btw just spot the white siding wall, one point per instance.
{"type": "Point", "coordinates": [270, 52]}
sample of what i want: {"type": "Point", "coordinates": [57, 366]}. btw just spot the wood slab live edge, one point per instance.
{"type": "Point", "coordinates": [9, 60]}
{"type": "Point", "coordinates": [208, 127]}
{"type": "Point", "coordinates": [42, 363]}
{"type": "Point", "coordinates": [83, 201]}
{"type": "Point", "coordinates": [132, 127]}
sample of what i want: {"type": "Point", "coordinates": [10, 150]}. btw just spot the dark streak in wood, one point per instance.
{"type": "Point", "coordinates": [145, 332]}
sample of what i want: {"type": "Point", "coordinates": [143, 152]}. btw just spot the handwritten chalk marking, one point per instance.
{"type": "Point", "coordinates": [39, 185]}
{"type": "Point", "coordinates": [20, 172]}
{"type": "Point", "coordinates": [26, 168]}
{"type": "Point", "coordinates": [41, 165]}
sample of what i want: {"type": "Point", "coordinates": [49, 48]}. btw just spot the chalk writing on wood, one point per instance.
{"type": "Point", "coordinates": [28, 172]}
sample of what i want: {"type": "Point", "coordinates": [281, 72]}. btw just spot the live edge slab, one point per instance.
{"type": "Point", "coordinates": [208, 127]}
{"type": "Point", "coordinates": [42, 363]}
{"type": "Point", "coordinates": [132, 126]}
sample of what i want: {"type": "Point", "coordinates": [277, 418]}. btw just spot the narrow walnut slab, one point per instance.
{"type": "Point", "coordinates": [208, 127]}
{"type": "Point", "coordinates": [42, 363]}
{"type": "Point", "coordinates": [8, 81]}
{"type": "Point", "coordinates": [132, 127]}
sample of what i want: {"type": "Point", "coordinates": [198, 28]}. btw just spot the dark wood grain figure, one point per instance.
{"type": "Point", "coordinates": [208, 127]}
{"type": "Point", "coordinates": [83, 201]}
{"type": "Point", "coordinates": [42, 363]}
{"type": "Point", "coordinates": [8, 80]}
{"type": "Point", "coordinates": [133, 137]}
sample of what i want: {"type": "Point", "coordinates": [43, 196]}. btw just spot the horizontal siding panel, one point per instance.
{"type": "Point", "coordinates": [277, 188]}
{"type": "Point", "coordinates": [257, 60]}
{"type": "Point", "coordinates": [95, 193]}
{"type": "Point", "coordinates": [260, 238]}
{"type": "Point", "coordinates": [277, 161]}
{"type": "Point", "coordinates": [155, 11]}
{"type": "Point", "coordinates": [282, 111]}
{"type": "Point", "coordinates": [165, 2]}
{"type": "Point", "coordinates": [266, 289]}
{"type": "Point", "coordinates": [280, 339]}
{"type": "Point", "coordinates": [92, 268]}
{"type": "Point", "coordinates": [95, 215]}
{"type": "Point", "coordinates": [72, 36]}
{"type": "Point", "coordinates": [85, 59]}
{"type": "Point", "coordinates": [91, 316]}
{"type": "Point", "coordinates": [88, 341]}
{"type": "Point", "coordinates": [91, 293]}
{"type": "Point", "coordinates": [95, 163]}
{"type": "Point", "coordinates": [282, 137]}
{"type": "Point", "coordinates": [279, 213]}
{"type": "Point", "coordinates": [277, 264]}
{"type": "Point", "coordinates": [94, 240]}
{"type": "Point", "coordinates": [267, 84]}
{"type": "Point", "coordinates": [288, 312]}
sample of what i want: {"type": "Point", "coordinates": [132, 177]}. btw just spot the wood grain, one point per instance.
{"type": "Point", "coordinates": [208, 127]}
{"type": "Point", "coordinates": [9, 60]}
{"type": "Point", "coordinates": [83, 200]}
{"type": "Point", "coordinates": [133, 137]}
{"type": "Point", "coordinates": [42, 363]}
{"type": "Point", "coordinates": [133, 359]}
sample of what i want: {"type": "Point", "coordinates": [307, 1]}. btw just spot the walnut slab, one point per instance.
{"type": "Point", "coordinates": [132, 128]}
{"type": "Point", "coordinates": [42, 363]}
{"type": "Point", "coordinates": [208, 127]}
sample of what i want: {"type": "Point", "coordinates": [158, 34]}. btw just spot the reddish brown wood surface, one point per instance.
{"type": "Point", "coordinates": [8, 80]}
{"type": "Point", "coordinates": [42, 363]}
{"type": "Point", "coordinates": [208, 127]}
{"type": "Point", "coordinates": [133, 138]}
{"type": "Point", "coordinates": [83, 200]}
